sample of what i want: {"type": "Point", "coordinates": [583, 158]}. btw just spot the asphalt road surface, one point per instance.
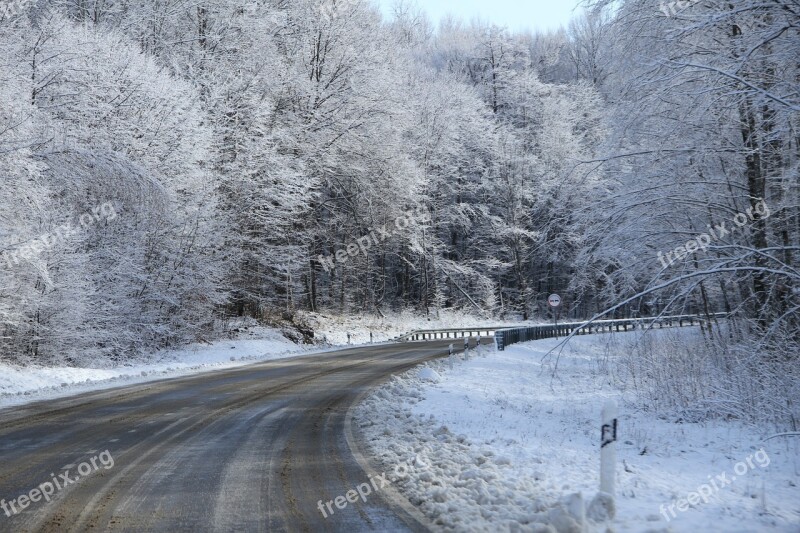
{"type": "Point", "coordinates": [250, 449]}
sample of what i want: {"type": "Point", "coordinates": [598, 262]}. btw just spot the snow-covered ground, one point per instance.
{"type": "Point", "coordinates": [498, 444]}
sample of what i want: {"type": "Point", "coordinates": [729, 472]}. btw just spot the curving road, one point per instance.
{"type": "Point", "coordinates": [250, 449]}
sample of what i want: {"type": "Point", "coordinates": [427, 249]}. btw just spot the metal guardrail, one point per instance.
{"type": "Point", "coordinates": [509, 336]}
{"type": "Point", "coordinates": [457, 333]}
{"type": "Point", "coordinates": [505, 336]}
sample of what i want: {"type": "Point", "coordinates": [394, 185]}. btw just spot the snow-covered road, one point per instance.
{"type": "Point", "coordinates": [257, 448]}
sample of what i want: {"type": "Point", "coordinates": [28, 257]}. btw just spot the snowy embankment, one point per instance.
{"type": "Point", "coordinates": [498, 444]}
{"type": "Point", "coordinates": [20, 384]}
{"type": "Point", "coordinates": [334, 329]}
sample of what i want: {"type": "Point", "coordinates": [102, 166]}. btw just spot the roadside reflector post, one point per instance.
{"type": "Point", "coordinates": [603, 507]}
{"type": "Point", "coordinates": [466, 348]}
{"type": "Point", "coordinates": [608, 447]}
{"type": "Point", "coordinates": [451, 357]}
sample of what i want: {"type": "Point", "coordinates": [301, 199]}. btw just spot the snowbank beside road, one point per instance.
{"type": "Point", "coordinates": [20, 385]}
{"type": "Point", "coordinates": [505, 447]}
{"type": "Point", "coordinates": [334, 329]}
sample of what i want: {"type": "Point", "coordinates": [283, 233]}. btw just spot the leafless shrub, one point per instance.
{"type": "Point", "coordinates": [695, 377]}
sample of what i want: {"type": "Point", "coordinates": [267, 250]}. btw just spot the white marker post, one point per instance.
{"type": "Point", "coordinates": [608, 447]}
{"type": "Point", "coordinates": [451, 357]}
{"type": "Point", "coordinates": [466, 348]}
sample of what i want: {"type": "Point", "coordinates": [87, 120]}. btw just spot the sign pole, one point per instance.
{"type": "Point", "coordinates": [555, 313]}
{"type": "Point", "coordinates": [554, 301]}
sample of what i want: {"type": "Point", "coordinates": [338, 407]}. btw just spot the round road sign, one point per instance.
{"type": "Point", "coordinates": [554, 300]}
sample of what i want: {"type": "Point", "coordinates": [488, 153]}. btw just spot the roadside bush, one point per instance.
{"type": "Point", "coordinates": [696, 377]}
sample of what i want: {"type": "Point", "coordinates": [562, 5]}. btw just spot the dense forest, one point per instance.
{"type": "Point", "coordinates": [168, 165]}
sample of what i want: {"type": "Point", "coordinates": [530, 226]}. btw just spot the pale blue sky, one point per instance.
{"type": "Point", "coordinates": [515, 14]}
